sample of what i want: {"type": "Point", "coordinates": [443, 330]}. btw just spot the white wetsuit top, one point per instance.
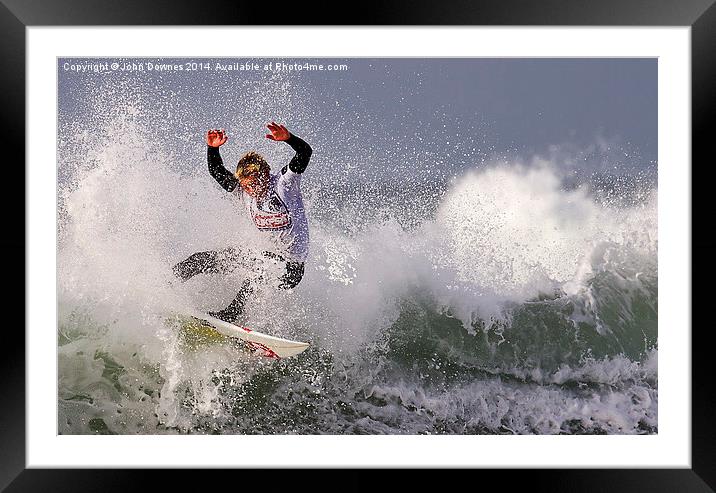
{"type": "Point", "coordinates": [281, 214]}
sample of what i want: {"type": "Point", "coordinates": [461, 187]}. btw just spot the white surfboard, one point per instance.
{"type": "Point", "coordinates": [269, 346]}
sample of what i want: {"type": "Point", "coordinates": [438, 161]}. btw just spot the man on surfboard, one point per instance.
{"type": "Point", "coordinates": [275, 205]}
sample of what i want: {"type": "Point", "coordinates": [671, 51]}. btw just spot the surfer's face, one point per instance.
{"type": "Point", "coordinates": [255, 184]}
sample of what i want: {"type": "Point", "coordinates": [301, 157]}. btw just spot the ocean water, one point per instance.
{"type": "Point", "coordinates": [506, 298]}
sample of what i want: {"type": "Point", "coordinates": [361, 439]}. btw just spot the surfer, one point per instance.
{"type": "Point", "coordinates": [275, 205]}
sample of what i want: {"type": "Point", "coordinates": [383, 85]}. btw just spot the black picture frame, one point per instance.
{"type": "Point", "coordinates": [16, 15]}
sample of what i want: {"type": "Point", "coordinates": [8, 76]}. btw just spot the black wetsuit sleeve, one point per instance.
{"type": "Point", "coordinates": [216, 167]}
{"type": "Point", "coordinates": [299, 162]}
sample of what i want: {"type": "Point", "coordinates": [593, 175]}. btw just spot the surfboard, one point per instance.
{"type": "Point", "coordinates": [264, 344]}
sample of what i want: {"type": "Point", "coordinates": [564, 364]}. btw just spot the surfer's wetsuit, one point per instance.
{"type": "Point", "coordinates": [280, 214]}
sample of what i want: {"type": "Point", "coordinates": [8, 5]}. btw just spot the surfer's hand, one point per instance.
{"type": "Point", "coordinates": [216, 138]}
{"type": "Point", "coordinates": [278, 132]}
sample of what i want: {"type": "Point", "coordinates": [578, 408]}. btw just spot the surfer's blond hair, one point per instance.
{"type": "Point", "coordinates": [250, 163]}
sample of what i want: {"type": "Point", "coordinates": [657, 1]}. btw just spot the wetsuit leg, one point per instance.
{"type": "Point", "coordinates": [195, 264]}
{"type": "Point", "coordinates": [236, 307]}
{"type": "Point", "coordinates": [290, 279]}
{"type": "Point", "coordinates": [210, 262]}
{"type": "Point", "coordinates": [293, 275]}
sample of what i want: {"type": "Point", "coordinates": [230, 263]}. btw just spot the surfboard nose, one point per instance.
{"type": "Point", "coordinates": [266, 345]}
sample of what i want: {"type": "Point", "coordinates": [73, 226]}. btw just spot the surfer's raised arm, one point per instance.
{"type": "Point", "coordinates": [215, 139]}
{"type": "Point", "coordinates": [299, 162]}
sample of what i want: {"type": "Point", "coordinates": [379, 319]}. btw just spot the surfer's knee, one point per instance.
{"type": "Point", "coordinates": [293, 275]}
